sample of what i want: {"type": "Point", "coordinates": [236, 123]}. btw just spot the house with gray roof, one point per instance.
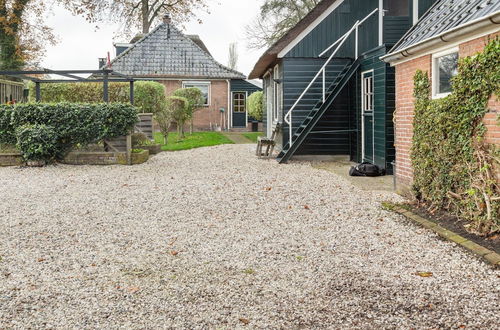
{"type": "Point", "coordinates": [178, 61]}
{"type": "Point", "coordinates": [449, 30]}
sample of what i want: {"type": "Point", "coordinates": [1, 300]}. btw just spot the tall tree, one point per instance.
{"type": "Point", "coordinates": [233, 56]}
{"type": "Point", "coordinates": [275, 19]}
{"type": "Point", "coordinates": [23, 34]}
{"type": "Point", "coordinates": [134, 14]}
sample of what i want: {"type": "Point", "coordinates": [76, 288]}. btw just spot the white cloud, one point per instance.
{"type": "Point", "coordinates": [81, 44]}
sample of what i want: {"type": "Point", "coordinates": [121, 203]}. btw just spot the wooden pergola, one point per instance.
{"type": "Point", "coordinates": [105, 76]}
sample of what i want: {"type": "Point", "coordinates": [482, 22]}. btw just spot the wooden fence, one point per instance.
{"type": "Point", "coordinates": [11, 91]}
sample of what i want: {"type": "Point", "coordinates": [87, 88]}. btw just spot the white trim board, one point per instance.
{"type": "Point", "coordinates": [446, 45]}
{"type": "Point", "coordinates": [311, 27]}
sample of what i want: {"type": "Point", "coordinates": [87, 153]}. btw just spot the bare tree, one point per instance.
{"type": "Point", "coordinates": [135, 14]}
{"type": "Point", "coordinates": [275, 19]}
{"type": "Point", "coordinates": [233, 56]}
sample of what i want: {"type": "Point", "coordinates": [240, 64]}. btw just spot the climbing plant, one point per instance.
{"type": "Point", "coordinates": [454, 168]}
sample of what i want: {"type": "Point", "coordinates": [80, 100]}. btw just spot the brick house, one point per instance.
{"type": "Point", "coordinates": [450, 30]}
{"type": "Point", "coordinates": [177, 61]}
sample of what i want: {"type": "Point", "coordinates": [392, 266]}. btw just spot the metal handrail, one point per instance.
{"type": "Point", "coordinates": [339, 43]}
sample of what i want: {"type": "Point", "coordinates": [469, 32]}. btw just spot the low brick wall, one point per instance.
{"type": "Point", "coordinates": [11, 159]}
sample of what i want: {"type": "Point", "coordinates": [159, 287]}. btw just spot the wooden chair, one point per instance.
{"type": "Point", "coordinates": [268, 143]}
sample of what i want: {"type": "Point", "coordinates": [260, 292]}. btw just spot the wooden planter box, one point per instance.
{"type": "Point", "coordinates": [153, 149]}
{"type": "Point", "coordinates": [139, 158]}
{"type": "Point", "coordinates": [11, 159]}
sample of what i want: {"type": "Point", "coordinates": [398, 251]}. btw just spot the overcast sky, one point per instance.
{"type": "Point", "coordinates": [81, 45]}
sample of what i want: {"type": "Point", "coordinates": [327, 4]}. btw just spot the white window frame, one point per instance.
{"type": "Point", "coordinates": [189, 84]}
{"type": "Point", "coordinates": [245, 100]}
{"type": "Point", "coordinates": [371, 112]}
{"type": "Point", "coordinates": [435, 71]}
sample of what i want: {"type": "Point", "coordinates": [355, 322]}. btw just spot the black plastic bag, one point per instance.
{"type": "Point", "coordinates": [366, 169]}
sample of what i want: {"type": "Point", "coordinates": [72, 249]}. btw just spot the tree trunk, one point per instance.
{"type": "Point", "coordinates": [145, 16]}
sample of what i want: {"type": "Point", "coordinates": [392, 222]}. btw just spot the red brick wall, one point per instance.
{"type": "Point", "coordinates": [207, 117]}
{"type": "Point", "coordinates": [405, 109]}
{"type": "Point", "coordinates": [404, 116]}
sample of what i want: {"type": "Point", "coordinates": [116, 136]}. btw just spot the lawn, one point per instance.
{"type": "Point", "coordinates": [253, 136]}
{"type": "Point", "coordinates": [191, 141]}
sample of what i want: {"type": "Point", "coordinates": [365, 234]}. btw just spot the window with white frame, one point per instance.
{"type": "Point", "coordinates": [444, 68]}
{"type": "Point", "coordinates": [367, 95]}
{"type": "Point", "coordinates": [204, 87]}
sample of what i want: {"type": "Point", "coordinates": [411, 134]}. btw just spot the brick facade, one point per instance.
{"type": "Point", "coordinates": [405, 109]}
{"type": "Point", "coordinates": [209, 117]}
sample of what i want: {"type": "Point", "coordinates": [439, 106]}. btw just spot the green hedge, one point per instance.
{"type": "Point", "coordinates": [72, 124]}
{"type": "Point", "coordinates": [149, 96]}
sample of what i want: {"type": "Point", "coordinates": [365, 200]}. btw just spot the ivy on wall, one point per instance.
{"type": "Point", "coordinates": [454, 168]}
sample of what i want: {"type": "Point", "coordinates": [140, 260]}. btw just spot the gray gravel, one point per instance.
{"type": "Point", "coordinates": [214, 238]}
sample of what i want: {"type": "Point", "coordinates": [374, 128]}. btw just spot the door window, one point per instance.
{"type": "Point", "coordinates": [239, 102]}
{"type": "Point", "coordinates": [397, 7]}
{"type": "Point", "coordinates": [367, 95]}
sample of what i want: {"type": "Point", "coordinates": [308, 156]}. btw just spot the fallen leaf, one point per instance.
{"type": "Point", "coordinates": [174, 253]}
{"type": "Point", "coordinates": [41, 259]}
{"type": "Point", "coordinates": [424, 274]}
{"type": "Point", "coordinates": [306, 207]}
{"type": "Point", "coordinates": [269, 188]}
{"type": "Point", "coordinates": [244, 321]}
{"type": "Point", "coordinates": [133, 289]}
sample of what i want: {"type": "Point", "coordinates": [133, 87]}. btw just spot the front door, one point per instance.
{"type": "Point", "coordinates": [367, 107]}
{"type": "Point", "coordinates": [239, 109]}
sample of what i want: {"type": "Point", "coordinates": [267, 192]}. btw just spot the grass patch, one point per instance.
{"type": "Point", "coordinates": [191, 141]}
{"type": "Point", "coordinates": [253, 136]}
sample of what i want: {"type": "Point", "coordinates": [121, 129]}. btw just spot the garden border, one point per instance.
{"type": "Point", "coordinates": [487, 255]}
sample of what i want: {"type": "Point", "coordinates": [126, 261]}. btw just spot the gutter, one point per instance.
{"type": "Point", "coordinates": [445, 37]}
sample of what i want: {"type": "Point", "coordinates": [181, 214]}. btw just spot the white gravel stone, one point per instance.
{"type": "Point", "coordinates": [215, 238]}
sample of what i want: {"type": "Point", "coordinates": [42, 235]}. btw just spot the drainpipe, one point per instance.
{"type": "Point", "coordinates": [229, 107]}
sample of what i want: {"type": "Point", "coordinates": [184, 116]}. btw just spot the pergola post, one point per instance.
{"type": "Point", "coordinates": [38, 92]}
{"type": "Point", "coordinates": [132, 92]}
{"type": "Point", "coordinates": [106, 87]}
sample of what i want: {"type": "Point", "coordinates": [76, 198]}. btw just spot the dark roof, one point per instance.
{"type": "Point", "coordinates": [270, 56]}
{"type": "Point", "coordinates": [197, 40]}
{"type": "Point", "coordinates": [167, 53]}
{"type": "Point", "coordinates": [443, 16]}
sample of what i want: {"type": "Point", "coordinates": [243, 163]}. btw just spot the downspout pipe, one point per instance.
{"type": "Point", "coordinates": [448, 36]}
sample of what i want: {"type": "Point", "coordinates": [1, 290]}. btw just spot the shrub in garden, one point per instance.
{"type": "Point", "coordinates": [256, 105]}
{"type": "Point", "coordinates": [175, 110]}
{"type": "Point", "coordinates": [453, 166]}
{"type": "Point", "coordinates": [195, 99]}
{"type": "Point", "coordinates": [149, 96]}
{"type": "Point", "coordinates": [37, 142]}
{"type": "Point", "coordinates": [72, 124]}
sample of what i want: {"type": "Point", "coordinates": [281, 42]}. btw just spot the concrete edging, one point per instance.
{"type": "Point", "coordinates": [488, 255]}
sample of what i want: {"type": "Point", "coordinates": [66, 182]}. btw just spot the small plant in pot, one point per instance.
{"type": "Point", "coordinates": [141, 141]}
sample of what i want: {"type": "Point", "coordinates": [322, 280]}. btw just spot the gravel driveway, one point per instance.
{"type": "Point", "coordinates": [214, 238]}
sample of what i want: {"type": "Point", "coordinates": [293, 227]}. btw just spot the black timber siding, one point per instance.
{"type": "Point", "coordinates": [240, 85]}
{"type": "Point", "coordinates": [395, 28]}
{"type": "Point", "coordinates": [297, 74]}
{"type": "Point", "coordinates": [384, 106]}
{"type": "Point", "coordinates": [336, 25]}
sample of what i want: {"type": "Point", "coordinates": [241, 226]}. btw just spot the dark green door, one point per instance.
{"type": "Point", "coordinates": [367, 106]}
{"type": "Point", "coordinates": [239, 109]}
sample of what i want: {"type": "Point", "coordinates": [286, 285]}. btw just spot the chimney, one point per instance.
{"type": "Point", "coordinates": [167, 19]}
{"type": "Point", "coordinates": [102, 62]}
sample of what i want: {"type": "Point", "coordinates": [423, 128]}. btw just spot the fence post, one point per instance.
{"type": "Point", "coordinates": [105, 88]}
{"type": "Point", "coordinates": [38, 93]}
{"type": "Point", "coordinates": [132, 92]}
{"type": "Point", "coordinates": [129, 149]}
